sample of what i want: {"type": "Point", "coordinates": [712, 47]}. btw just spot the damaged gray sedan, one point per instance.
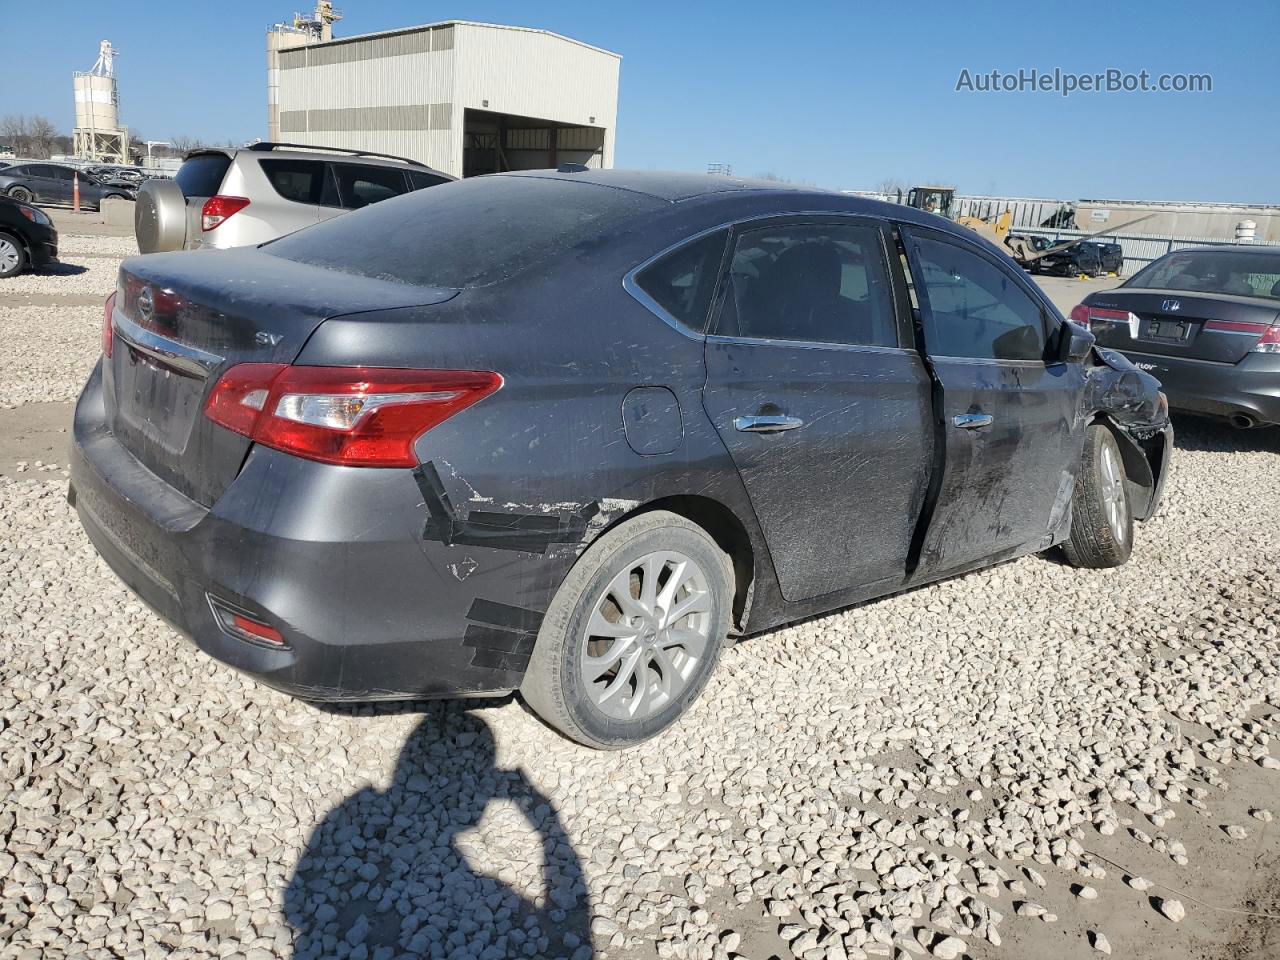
{"type": "Point", "coordinates": [563, 433]}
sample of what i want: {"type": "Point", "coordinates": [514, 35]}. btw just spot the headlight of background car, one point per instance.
{"type": "Point", "coordinates": [36, 216]}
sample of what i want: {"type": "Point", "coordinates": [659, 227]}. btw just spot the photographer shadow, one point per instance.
{"type": "Point", "coordinates": [397, 873]}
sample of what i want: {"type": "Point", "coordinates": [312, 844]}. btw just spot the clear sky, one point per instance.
{"type": "Point", "coordinates": [835, 94]}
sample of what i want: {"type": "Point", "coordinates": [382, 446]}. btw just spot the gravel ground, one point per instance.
{"type": "Point", "coordinates": [930, 774]}
{"type": "Point", "coordinates": [46, 353]}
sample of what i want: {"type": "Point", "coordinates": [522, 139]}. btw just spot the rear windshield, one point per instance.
{"type": "Point", "coordinates": [467, 233]}
{"type": "Point", "coordinates": [201, 175]}
{"type": "Point", "coordinates": [1201, 271]}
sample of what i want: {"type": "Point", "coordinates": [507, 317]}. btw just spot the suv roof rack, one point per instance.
{"type": "Point", "coordinates": [265, 145]}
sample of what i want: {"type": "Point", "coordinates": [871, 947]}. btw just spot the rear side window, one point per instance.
{"type": "Point", "coordinates": [469, 233]}
{"type": "Point", "coordinates": [683, 282]}
{"type": "Point", "coordinates": [359, 185]}
{"type": "Point", "coordinates": [201, 175]}
{"type": "Point", "coordinates": [420, 181]}
{"type": "Point", "coordinates": [301, 181]}
{"type": "Point", "coordinates": [818, 283]}
{"type": "Point", "coordinates": [976, 310]}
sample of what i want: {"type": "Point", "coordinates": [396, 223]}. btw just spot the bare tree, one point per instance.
{"type": "Point", "coordinates": [891, 185]}
{"type": "Point", "coordinates": [183, 143]}
{"type": "Point", "coordinates": [43, 134]}
{"type": "Point", "coordinates": [15, 132]}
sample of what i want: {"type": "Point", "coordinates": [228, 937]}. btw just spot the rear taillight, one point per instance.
{"type": "Point", "coordinates": [352, 416]}
{"type": "Point", "coordinates": [108, 337]}
{"type": "Point", "coordinates": [1269, 342]}
{"type": "Point", "coordinates": [1080, 315]}
{"type": "Point", "coordinates": [216, 210]}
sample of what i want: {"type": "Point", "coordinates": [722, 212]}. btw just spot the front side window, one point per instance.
{"type": "Point", "coordinates": [684, 281]}
{"type": "Point", "coordinates": [360, 185]}
{"type": "Point", "coordinates": [818, 283]}
{"type": "Point", "coordinates": [301, 181]}
{"type": "Point", "coordinates": [975, 309]}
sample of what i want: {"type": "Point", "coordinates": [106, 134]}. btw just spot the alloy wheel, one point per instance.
{"type": "Point", "coordinates": [1114, 498]}
{"type": "Point", "coordinates": [647, 633]}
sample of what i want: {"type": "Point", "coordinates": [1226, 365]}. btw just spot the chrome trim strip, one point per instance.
{"type": "Point", "coordinates": [190, 360]}
{"type": "Point", "coordinates": [811, 344]}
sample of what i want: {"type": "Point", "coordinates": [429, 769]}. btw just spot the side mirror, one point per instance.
{"type": "Point", "coordinates": [1075, 343]}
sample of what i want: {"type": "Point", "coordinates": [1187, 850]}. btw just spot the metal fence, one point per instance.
{"type": "Point", "coordinates": [1140, 248]}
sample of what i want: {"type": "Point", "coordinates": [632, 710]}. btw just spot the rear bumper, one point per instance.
{"type": "Point", "coordinates": [1250, 387]}
{"type": "Point", "coordinates": [331, 557]}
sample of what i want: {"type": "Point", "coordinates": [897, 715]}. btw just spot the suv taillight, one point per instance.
{"type": "Point", "coordinates": [352, 416]}
{"type": "Point", "coordinates": [1269, 342]}
{"type": "Point", "coordinates": [108, 337]}
{"type": "Point", "coordinates": [217, 210]}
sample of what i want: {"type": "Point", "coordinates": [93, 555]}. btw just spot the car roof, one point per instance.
{"type": "Point", "coordinates": [734, 195]}
{"type": "Point", "coordinates": [1233, 249]}
{"type": "Point", "coordinates": [315, 153]}
{"type": "Point", "coordinates": [673, 187]}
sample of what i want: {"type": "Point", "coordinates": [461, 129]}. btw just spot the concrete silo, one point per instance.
{"type": "Point", "coordinates": [99, 135]}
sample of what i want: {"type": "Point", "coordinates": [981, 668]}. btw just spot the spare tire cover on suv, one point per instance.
{"type": "Point", "coordinates": [160, 217]}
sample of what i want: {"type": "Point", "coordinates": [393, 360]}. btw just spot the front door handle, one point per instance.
{"type": "Point", "coordinates": [971, 421]}
{"type": "Point", "coordinates": [776, 424]}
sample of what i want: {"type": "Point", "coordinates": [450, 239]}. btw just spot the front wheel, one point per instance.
{"type": "Point", "coordinates": [633, 633]}
{"type": "Point", "coordinates": [1101, 518]}
{"type": "Point", "coordinates": [21, 194]}
{"type": "Point", "coordinates": [12, 257]}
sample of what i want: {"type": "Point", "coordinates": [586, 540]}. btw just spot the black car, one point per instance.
{"type": "Point", "coordinates": [1206, 322]}
{"type": "Point", "coordinates": [27, 238]}
{"type": "Point", "coordinates": [564, 432]}
{"type": "Point", "coordinates": [1078, 259]}
{"type": "Point", "coordinates": [54, 183]}
{"type": "Point", "coordinates": [1110, 256]}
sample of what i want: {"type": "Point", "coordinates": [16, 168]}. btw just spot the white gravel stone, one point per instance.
{"type": "Point", "coordinates": [1173, 909]}
{"type": "Point", "coordinates": [1100, 942]}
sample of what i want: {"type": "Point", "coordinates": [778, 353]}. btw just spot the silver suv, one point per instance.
{"type": "Point", "coordinates": [240, 197]}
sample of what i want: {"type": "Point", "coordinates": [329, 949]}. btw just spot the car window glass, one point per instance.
{"type": "Point", "coordinates": [469, 232]}
{"type": "Point", "coordinates": [301, 181]}
{"type": "Point", "coordinates": [360, 186]}
{"type": "Point", "coordinates": [976, 309]}
{"type": "Point", "coordinates": [684, 281]}
{"type": "Point", "coordinates": [823, 283]}
{"type": "Point", "coordinates": [1226, 272]}
{"type": "Point", "coordinates": [419, 181]}
{"type": "Point", "coordinates": [40, 170]}
{"type": "Point", "coordinates": [201, 175]}
{"type": "Point", "coordinates": [61, 173]}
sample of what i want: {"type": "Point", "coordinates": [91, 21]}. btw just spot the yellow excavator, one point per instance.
{"type": "Point", "coordinates": [941, 200]}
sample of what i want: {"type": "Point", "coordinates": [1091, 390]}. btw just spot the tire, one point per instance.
{"type": "Point", "coordinates": [21, 194]}
{"type": "Point", "coordinates": [1101, 515]}
{"type": "Point", "coordinates": [602, 705]}
{"type": "Point", "coordinates": [13, 256]}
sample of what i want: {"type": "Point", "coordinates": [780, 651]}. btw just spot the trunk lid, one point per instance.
{"type": "Point", "coordinates": [1221, 328]}
{"type": "Point", "coordinates": [183, 319]}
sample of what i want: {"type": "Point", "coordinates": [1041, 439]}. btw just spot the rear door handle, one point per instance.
{"type": "Point", "coordinates": [766, 424]}
{"type": "Point", "coordinates": [971, 421]}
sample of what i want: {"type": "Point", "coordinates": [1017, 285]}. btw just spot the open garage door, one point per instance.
{"type": "Point", "coordinates": [498, 142]}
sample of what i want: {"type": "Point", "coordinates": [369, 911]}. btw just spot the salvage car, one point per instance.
{"type": "Point", "coordinates": [55, 183]}
{"type": "Point", "coordinates": [1078, 259]}
{"type": "Point", "coordinates": [27, 238]}
{"type": "Point", "coordinates": [563, 432]}
{"type": "Point", "coordinates": [224, 198]}
{"type": "Point", "coordinates": [1206, 322]}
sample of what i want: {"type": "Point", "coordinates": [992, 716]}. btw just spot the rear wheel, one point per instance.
{"type": "Point", "coordinates": [13, 258]}
{"type": "Point", "coordinates": [1101, 518]}
{"type": "Point", "coordinates": [633, 633]}
{"type": "Point", "coordinates": [21, 194]}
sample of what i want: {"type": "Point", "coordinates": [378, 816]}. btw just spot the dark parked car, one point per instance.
{"type": "Point", "coordinates": [1072, 261]}
{"type": "Point", "coordinates": [1206, 322]}
{"type": "Point", "coordinates": [1110, 256]}
{"type": "Point", "coordinates": [54, 183]}
{"type": "Point", "coordinates": [27, 238]}
{"type": "Point", "coordinates": [564, 432]}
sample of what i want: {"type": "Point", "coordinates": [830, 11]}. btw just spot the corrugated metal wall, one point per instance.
{"type": "Point", "coordinates": [406, 93]}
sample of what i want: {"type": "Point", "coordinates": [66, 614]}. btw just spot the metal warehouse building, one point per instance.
{"type": "Point", "coordinates": [465, 98]}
